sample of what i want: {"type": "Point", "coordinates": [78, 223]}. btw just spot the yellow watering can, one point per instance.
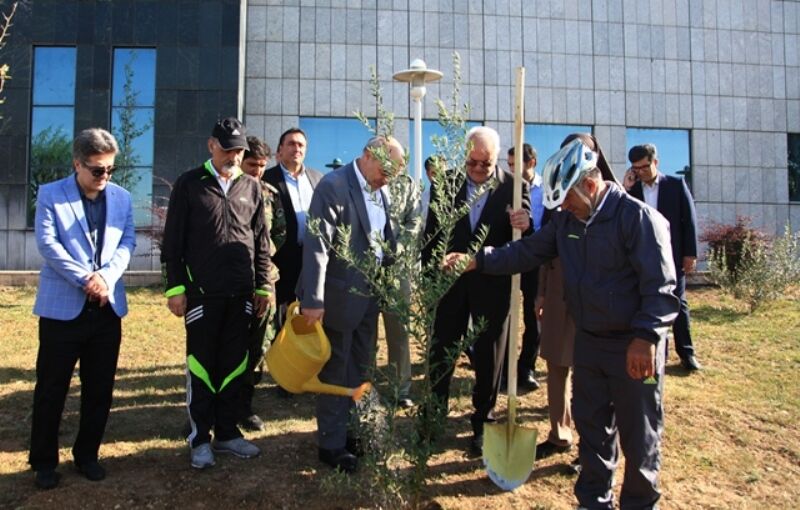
{"type": "Point", "coordinates": [298, 354]}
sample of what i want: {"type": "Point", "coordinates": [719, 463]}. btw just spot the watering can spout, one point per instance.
{"type": "Point", "coordinates": [316, 386]}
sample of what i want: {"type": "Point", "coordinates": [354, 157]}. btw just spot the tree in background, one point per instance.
{"type": "Point", "coordinates": [127, 131]}
{"type": "Point", "coordinates": [51, 159]}
{"type": "Point", "coordinates": [6, 24]}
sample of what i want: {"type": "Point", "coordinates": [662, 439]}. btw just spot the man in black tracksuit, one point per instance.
{"type": "Point", "coordinates": [215, 258]}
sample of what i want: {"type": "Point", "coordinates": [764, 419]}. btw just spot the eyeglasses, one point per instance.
{"type": "Point", "coordinates": [641, 167]}
{"type": "Point", "coordinates": [483, 164]}
{"type": "Point", "coordinates": [99, 171]}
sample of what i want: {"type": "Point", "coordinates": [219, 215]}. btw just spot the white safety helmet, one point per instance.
{"type": "Point", "coordinates": [564, 169]}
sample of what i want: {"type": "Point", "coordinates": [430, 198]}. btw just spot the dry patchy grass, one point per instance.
{"type": "Point", "coordinates": [731, 438]}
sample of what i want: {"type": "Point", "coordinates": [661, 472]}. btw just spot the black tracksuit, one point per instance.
{"type": "Point", "coordinates": [216, 250]}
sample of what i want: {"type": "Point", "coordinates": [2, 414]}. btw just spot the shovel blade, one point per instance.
{"type": "Point", "coordinates": [508, 454]}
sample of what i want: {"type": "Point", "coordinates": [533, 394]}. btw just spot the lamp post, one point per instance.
{"type": "Point", "coordinates": [417, 76]}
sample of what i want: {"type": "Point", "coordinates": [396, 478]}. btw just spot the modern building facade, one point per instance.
{"type": "Point", "coordinates": [714, 83]}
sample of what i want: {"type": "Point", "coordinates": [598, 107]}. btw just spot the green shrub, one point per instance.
{"type": "Point", "coordinates": [760, 271]}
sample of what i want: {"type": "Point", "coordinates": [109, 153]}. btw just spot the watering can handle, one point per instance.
{"type": "Point", "coordinates": [294, 309]}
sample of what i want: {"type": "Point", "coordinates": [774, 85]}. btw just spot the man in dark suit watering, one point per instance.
{"type": "Point", "coordinates": [353, 196]}
{"type": "Point", "coordinates": [672, 198]}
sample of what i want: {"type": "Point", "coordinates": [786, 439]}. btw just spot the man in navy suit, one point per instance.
{"type": "Point", "coordinates": [672, 198]}
{"type": "Point", "coordinates": [84, 232]}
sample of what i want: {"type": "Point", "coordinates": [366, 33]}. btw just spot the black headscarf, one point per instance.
{"type": "Point", "coordinates": [591, 142]}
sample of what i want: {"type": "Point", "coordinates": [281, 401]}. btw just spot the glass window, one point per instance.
{"type": "Point", "coordinates": [547, 138]}
{"type": "Point", "coordinates": [333, 138]}
{"type": "Point", "coordinates": [52, 117]}
{"type": "Point", "coordinates": [672, 146]}
{"type": "Point", "coordinates": [794, 166]}
{"type": "Point", "coordinates": [430, 128]}
{"type": "Point", "coordinates": [54, 76]}
{"type": "Point", "coordinates": [132, 114]}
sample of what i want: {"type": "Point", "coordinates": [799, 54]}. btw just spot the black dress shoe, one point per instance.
{"type": "Point", "coordinates": [47, 479]}
{"type": "Point", "coordinates": [92, 470]}
{"type": "Point", "coordinates": [527, 382]}
{"type": "Point", "coordinates": [690, 363]}
{"type": "Point", "coordinates": [355, 446]}
{"type": "Point", "coordinates": [476, 446]}
{"type": "Point", "coordinates": [339, 459]}
{"type": "Point", "coordinates": [547, 449]}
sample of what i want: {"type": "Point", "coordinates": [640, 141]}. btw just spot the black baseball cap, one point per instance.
{"type": "Point", "coordinates": [231, 133]}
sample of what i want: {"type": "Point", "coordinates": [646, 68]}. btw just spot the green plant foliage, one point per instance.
{"type": "Point", "coordinates": [731, 240]}
{"type": "Point", "coordinates": [764, 272]}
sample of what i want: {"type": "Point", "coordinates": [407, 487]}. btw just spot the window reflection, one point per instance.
{"type": "Point", "coordinates": [52, 118]}
{"type": "Point", "coordinates": [672, 146]}
{"type": "Point", "coordinates": [132, 114]}
{"type": "Point", "coordinates": [430, 130]}
{"type": "Point", "coordinates": [793, 146]}
{"type": "Point", "coordinates": [54, 76]}
{"type": "Point", "coordinates": [331, 138]}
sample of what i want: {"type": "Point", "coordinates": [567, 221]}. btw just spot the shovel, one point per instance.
{"type": "Point", "coordinates": [509, 449]}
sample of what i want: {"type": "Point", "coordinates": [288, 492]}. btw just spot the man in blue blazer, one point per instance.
{"type": "Point", "coordinates": [84, 232]}
{"type": "Point", "coordinates": [672, 198]}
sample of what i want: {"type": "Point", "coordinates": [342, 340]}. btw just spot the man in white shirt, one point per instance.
{"type": "Point", "coordinates": [671, 197]}
{"type": "Point", "coordinates": [295, 183]}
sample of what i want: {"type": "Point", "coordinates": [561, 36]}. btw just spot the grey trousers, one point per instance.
{"type": "Point", "coordinates": [399, 352]}
{"type": "Point", "coordinates": [397, 344]}
{"type": "Point", "coordinates": [610, 408]}
{"type": "Point", "coordinates": [352, 355]}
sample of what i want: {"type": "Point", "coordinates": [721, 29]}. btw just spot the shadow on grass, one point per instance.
{"type": "Point", "coordinates": [482, 487]}
{"type": "Point", "coordinates": [286, 475]}
{"type": "Point", "coordinates": [716, 315]}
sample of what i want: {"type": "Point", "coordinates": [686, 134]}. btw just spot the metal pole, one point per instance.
{"type": "Point", "coordinates": [418, 140]}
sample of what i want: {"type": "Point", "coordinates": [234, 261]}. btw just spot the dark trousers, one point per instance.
{"type": "Point", "coordinates": [488, 351]}
{"type": "Point", "coordinates": [680, 328]}
{"type": "Point", "coordinates": [93, 338]}
{"type": "Point", "coordinates": [526, 363]}
{"type": "Point", "coordinates": [216, 349]}
{"type": "Point", "coordinates": [352, 356]}
{"type": "Point", "coordinates": [608, 405]}
{"type": "Point", "coordinates": [256, 345]}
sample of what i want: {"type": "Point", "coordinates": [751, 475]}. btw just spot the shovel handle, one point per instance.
{"type": "Point", "coordinates": [513, 347]}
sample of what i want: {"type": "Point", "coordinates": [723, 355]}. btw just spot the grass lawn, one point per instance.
{"type": "Point", "coordinates": [732, 438]}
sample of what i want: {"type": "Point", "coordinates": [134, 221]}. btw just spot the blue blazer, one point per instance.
{"type": "Point", "coordinates": [62, 236]}
{"type": "Point", "coordinates": [676, 204]}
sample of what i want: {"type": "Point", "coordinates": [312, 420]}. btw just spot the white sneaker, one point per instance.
{"type": "Point", "coordinates": [239, 446]}
{"type": "Point", "coordinates": [202, 456]}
